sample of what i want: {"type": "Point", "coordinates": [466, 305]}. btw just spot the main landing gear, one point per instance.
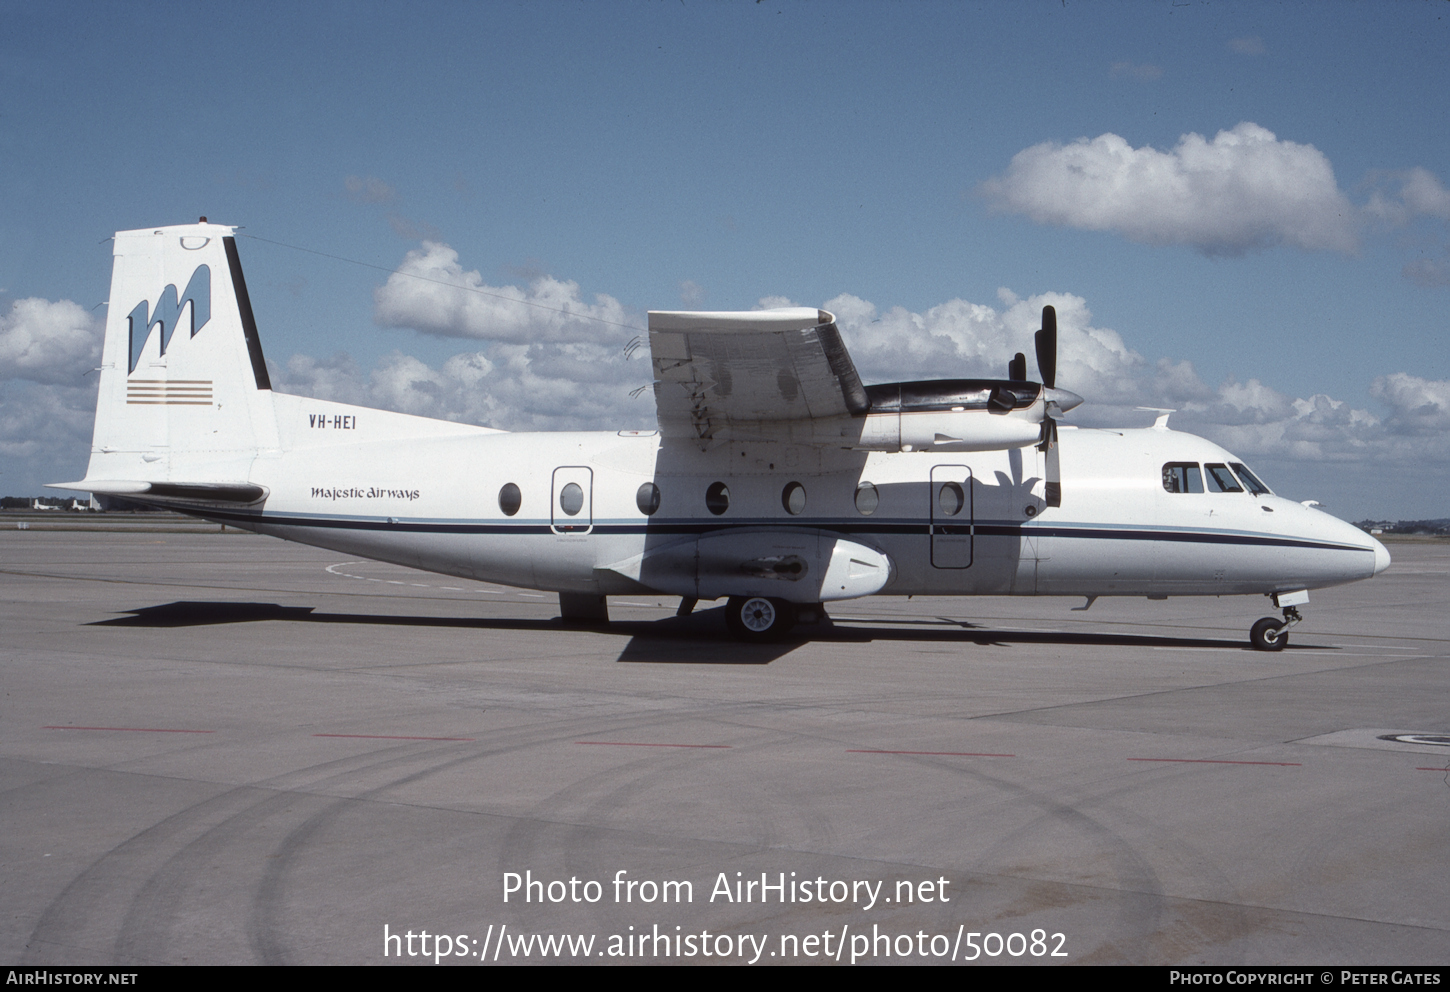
{"type": "Point", "coordinates": [1271, 633]}
{"type": "Point", "coordinates": [756, 618]}
{"type": "Point", "coordinates": [759, 618]}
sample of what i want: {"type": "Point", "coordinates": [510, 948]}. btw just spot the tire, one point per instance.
{"type": "Point", "coordinates": [755, 618]}
{"type": "Point", "coordinates": [1269, 634]}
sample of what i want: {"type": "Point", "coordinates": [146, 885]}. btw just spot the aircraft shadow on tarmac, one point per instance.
{"type": "Point", "coordinates": [699, 638]}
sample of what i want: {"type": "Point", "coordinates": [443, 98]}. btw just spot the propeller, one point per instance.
{"type": "Point", "coordinates": [1058, 401]}
{"type": "Point", "coordinates": [1047, 347]}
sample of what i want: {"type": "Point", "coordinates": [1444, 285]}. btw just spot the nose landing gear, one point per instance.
{"type": "Point", "coordinates": [1271, 633]}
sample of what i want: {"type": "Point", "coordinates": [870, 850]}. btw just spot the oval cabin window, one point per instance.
{"type": "Point", "coordinates": [571, 499]}
{"type": "Point", "coordinates": [510, 499]}
{"type": "Point", "coordinates": [793, 498]}
{"type": "Point", "coordinates": [952, 499]}
{"type": "Point", "coordinates": [867, 499]}
{"type": "Point", "coordinates": [648, 499]}
{"type": "Point", "coordinates": [717, 498]}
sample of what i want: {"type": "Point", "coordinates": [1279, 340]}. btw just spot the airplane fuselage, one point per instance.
{"type": "Point", "coordinates": [955, 523]}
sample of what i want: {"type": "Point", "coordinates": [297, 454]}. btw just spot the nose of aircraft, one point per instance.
{"type": "Point", "coordinates": [1381, 557]}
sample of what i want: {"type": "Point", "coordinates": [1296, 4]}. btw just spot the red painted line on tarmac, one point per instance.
{"type": "Point", "coordinates": [636, 744]}
{"type": "Point", "coordinates": [948, 754]}
{"type": "Point", "coordinates": [390, 737]}
{"type": "Point", "coordinates": [1220, 761]}
{"type": "Point", "coordinates": [136, 730]}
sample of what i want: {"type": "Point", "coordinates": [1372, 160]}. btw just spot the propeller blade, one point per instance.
{"type": "Point", "coordinates": [1048, 440]}
{"type": "Point", "coordinates": [1052, 489]}
{"type": "Point", "coordinates": [1058, 401]}
{"type": "Point", "coordinates": [1017, 368]}
{"type": "Point", "coordinates": [1047, 347]}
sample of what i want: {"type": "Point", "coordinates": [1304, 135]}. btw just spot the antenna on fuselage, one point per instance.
{"type": "Point", "coordinates": [1161, 423]}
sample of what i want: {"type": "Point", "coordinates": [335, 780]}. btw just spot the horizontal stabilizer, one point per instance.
{"type": "Point", "coordinates": [244, 493]}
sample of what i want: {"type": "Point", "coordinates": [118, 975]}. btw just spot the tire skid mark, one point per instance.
{"type": "Point", "coordinates": [96, 891]}
{"type": "Point", "coordinates": [266, 931]}
{"type": "Point", "coordinates": [1138, 894]}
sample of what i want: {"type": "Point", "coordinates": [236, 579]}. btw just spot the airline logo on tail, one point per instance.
{"type": "Point", "coordinates": [168, 314]}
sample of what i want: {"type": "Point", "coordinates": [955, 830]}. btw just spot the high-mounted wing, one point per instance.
{"type": "Point", "coordinates": [715, 370]}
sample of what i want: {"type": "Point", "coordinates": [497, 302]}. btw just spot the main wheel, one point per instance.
{"type": "Point", "coordinates": [1269, 634]}
{"type": "Point", "coordinates": [755, 618]}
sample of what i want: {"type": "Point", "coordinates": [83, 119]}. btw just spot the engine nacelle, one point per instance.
{"type": "Point", "coordinates": [964, 430]}
{"type": "Point", "coordinates": [800, 565]}
{"type": "Point", "coordinates": [959, 414]}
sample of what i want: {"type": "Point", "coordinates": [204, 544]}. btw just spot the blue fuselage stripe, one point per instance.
{"type": "Point", "coordinates": [878, 528]}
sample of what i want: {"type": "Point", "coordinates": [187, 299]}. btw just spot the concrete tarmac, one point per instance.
{"type": "Point", "coordinates": [224, 749]}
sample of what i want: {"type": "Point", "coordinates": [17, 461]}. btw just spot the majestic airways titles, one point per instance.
{"type": "Point", "coordinates": [357, 492]}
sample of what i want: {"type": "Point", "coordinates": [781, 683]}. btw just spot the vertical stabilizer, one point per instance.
{"type": "Point", "coordinates": [184, 391]}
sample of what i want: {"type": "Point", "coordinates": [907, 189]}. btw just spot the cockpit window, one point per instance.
{"type": "Point", "coordinates": [1182, 477]}
{"type": "Point", "coordinates": [1252, 481]}
{"type": "Point", "coordinates": [1221, 480]}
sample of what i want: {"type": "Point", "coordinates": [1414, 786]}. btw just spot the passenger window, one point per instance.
{"type": "Point", "coordinates": [951, 499]}
{"type": "Point", "coordinates": [1221, 480]}
{"type": "Point", "coordinates": [1182, 477]}
{"type": "Point", "coordinates": [509, 499]}
{"type": "Point", "coordinates": [648, 499]}
{"type": "Point", "coordinates": [717, 498]}
{"type": "Point", "coordinates": [571, 499]}
{"type": "Point", "coordinates": [867, 499]}
{"type": "Point", "coordinates": [1252, 481]}
{"type": "Point", "coordinates": [793, 498]}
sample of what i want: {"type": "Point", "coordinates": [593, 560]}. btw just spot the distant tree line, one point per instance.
{"type": "Point", "coordinates": [1438, 528]}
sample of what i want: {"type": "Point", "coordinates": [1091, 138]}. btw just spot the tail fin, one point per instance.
{"type": "Point", "coordinates": [184, 392]}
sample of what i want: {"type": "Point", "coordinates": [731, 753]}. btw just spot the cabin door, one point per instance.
{"type": "Point", "coordinates": [952, 528]}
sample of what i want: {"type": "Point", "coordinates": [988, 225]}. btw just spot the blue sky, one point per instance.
{"type": "Point", "coordinates": [1283, 279]}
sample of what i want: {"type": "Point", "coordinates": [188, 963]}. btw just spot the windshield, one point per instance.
{"type": "Point", "coordinates": [1221, 480]}
{"type": "Point", "coordinates": [1250, 479]}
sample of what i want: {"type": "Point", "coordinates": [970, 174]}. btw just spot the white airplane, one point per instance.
{"type": "Point", "coordinates": [776, 479]}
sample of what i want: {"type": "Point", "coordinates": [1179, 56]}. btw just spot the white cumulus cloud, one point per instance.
{"type": "Point", "coordinates": [1400, 196]}
{"type": "Point", "coordinates": [544, 386]}
{"type": "Point", "coordinates": [432, 293]}
{"type": "Point", "coordinates": [590, 385]}
{"type": "Point", "coordinates": [1243, 191]}
{"type": "Point", "coordinates": [1418, 406]}
{"type": "Point", "coordinates": [45, 433]}
{"type": "Point", "coordinates": [48, 342]}
{"type": "Point", "coordinates": [961, 339]}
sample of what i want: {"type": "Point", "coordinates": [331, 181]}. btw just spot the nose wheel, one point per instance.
{"type": "Point", "coordinates": [1271, 633]}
